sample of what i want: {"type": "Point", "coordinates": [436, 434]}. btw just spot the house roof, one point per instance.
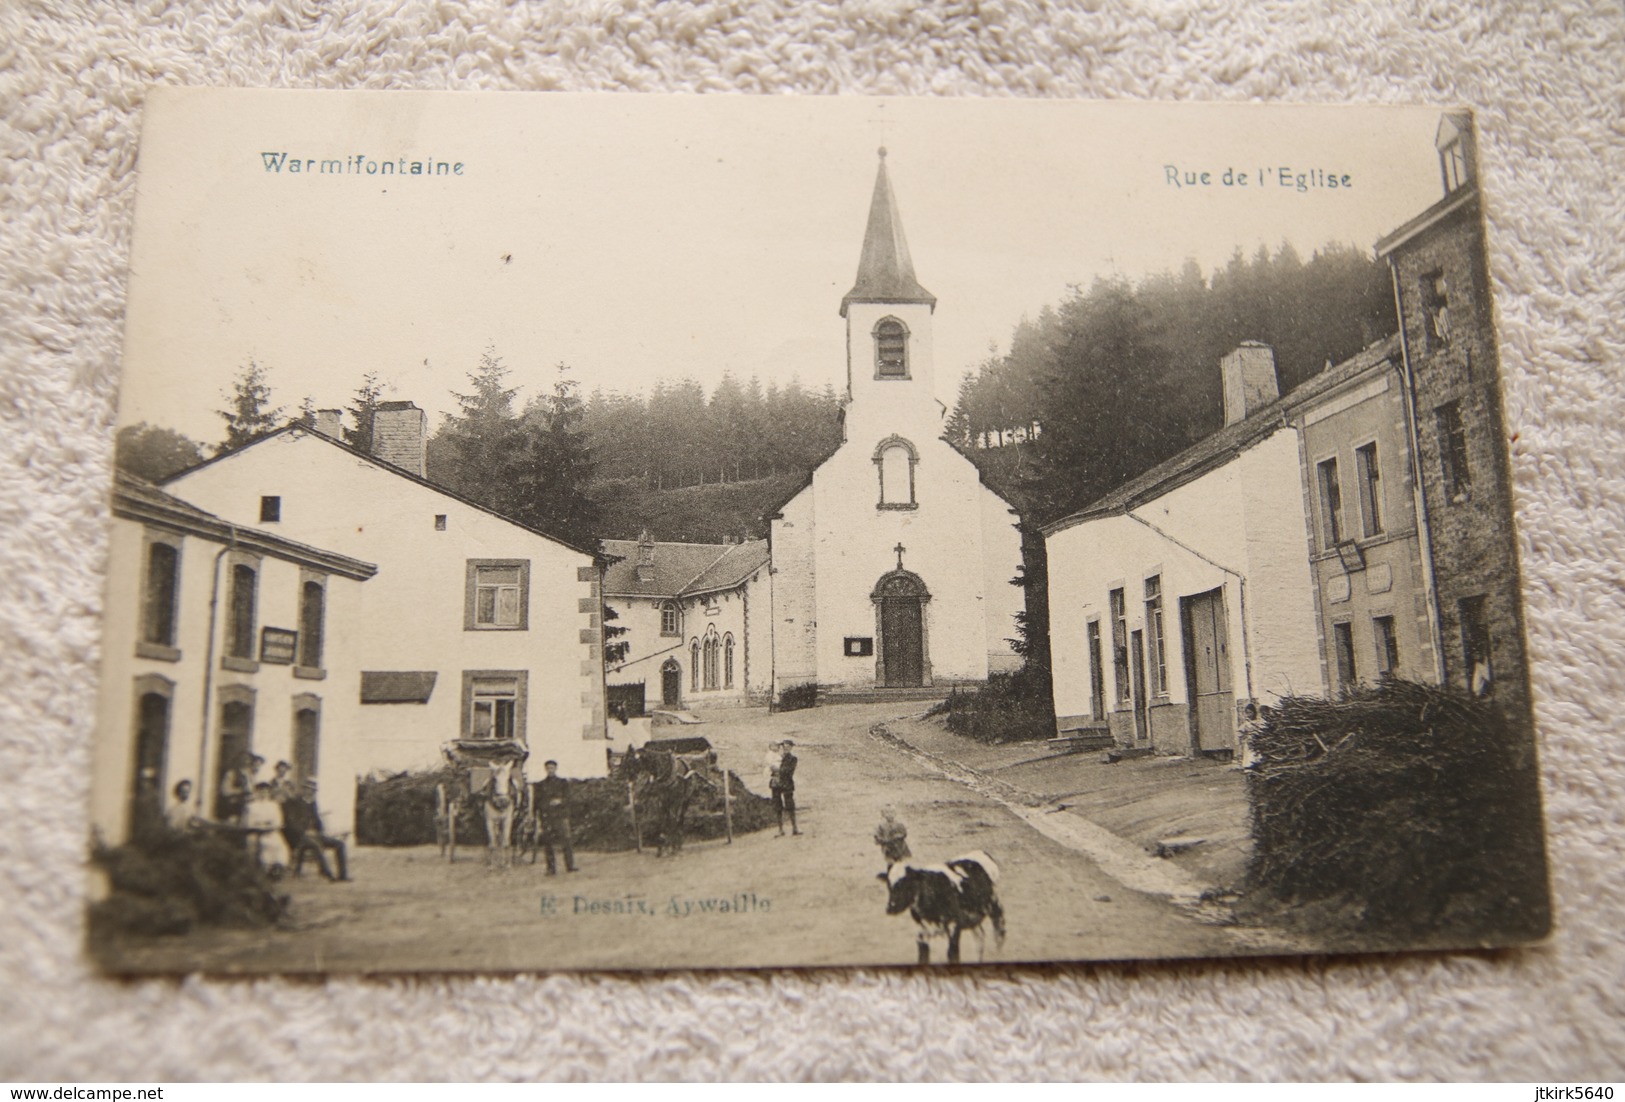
{"type": "Point", "coordinates": [1215, 450]}
{"type": "Point", "coordinates": [682, 569]}
{"type": "Point", "coordinates": [885, 269]}
{"type": "Point", "coordinates": [300, 431]}
{"type": "Point", "coordinates": [139, 500]}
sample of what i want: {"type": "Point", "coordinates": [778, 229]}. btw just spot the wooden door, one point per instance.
{"type": "Point", "coordinates": [671, 684]}
{"type": "Point", "coordinates": [903, 651]}
{"type": "Point", "coordinates": [1207, 671]}
{"type": "Point", "coordinates": [1142, 714]}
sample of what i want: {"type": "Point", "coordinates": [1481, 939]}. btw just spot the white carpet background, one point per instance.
{"type": "Point", "coordinates": [1550, 86]}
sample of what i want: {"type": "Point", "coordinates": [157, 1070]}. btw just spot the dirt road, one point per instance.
{"type": "Point", "coordinates": [764, 900]}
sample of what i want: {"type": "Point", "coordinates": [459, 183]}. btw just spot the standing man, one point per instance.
{"type": "Point", "coordinates": [785, 803]}
{"type": "Point", "coordinates": [553, 805]}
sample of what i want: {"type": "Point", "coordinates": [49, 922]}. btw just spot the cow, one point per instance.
{"type": "Point", "coordinates": [949, 899]}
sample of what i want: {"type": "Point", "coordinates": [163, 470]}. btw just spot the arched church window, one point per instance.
{"type": "Point", "coordinates": [728, 661]}
{"type": "Point", "coordinates": [891, 349]}
{"type": "Point", "coordinates": [712, 646]}
{"type": "Point", "coordinates": [694, 666]}
{"type": "Point", "coordinates": [895, 458]}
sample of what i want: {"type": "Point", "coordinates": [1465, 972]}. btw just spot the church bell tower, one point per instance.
{"type": "Point", "coordinates": [888, 322]}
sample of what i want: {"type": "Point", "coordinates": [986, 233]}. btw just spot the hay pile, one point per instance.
{"type": "Point", "coordinates": [1404, 812]}
{"type": "Point", "coordinates": [163, 882]}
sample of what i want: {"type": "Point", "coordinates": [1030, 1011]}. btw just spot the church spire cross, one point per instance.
{"type": "Point", "coordinates": [899, 549]}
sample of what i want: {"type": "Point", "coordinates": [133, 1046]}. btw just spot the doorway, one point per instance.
{"type": "Point", "coordinates": [306, 743]}
{"type": "Point", "coordinates": [151, 748]}
{"type": "Point", "coordinates": [1142, 712]}
{"type": "Point", "coordinates": [671, 683]}
{"type": "Point", "coordinates": [901, 661]}
{"type": "Point", "coordinates": [1207, 671]}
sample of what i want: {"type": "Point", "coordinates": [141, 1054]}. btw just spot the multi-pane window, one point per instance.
{"type": "Point", "coordinates": [1331, 502]}
{"type": "Point", "coordinates": [1475, 644]}
{"type": "Point", "coordinates": [497, 595]}
{"type": "Point", "coordinates": [891, 349]}
{"type": "Point", "coordinates": [1119, 609]}
{"type": "Point", "coordinates": [493, 706]}
{"type": "Point", "coordinates": [1157, 639]}
{"type": "Point", "coordinates": [1382, 631]}
{"type": "Point", "coordinates": [1097, 671]}
{"type": "Point", "coordinates": [1436, 309]}
{"type": "Point", "coordinates": [312, 623]}
{"type": "Point", "coordinates": [163, 586]}
{"type": "Point", "coordinates": [1370, 476]}
{"type": "Point", "coordinates": [668, 618]}
{"type": "Point", "coordinates": [1453, 470]}
{"type": "Point", "coordinates": [240, 628]}
{"type": "Point", "coordinates": [1343, 652]}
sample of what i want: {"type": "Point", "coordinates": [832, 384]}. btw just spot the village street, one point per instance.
{"type": "Point", "coordinates": [790, 901]}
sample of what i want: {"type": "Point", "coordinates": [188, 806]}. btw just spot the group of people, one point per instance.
{"type": "Point", "coordinates": [279, 814]}
{"type": "Point", "coordinates": [780, 764]}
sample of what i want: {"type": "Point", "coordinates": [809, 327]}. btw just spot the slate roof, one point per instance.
{"type": "Point", "coordinates": [885, 269]}
{"type": "Point", "coordinates": [1219, 448]}
{"type": "Point", "coordinates": [682, 569]}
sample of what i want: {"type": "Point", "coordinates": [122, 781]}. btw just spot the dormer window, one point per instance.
{"type": "Point", "coordinates": [891, 349]}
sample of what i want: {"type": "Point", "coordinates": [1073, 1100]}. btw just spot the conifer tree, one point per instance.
{"type": "Point", "coordinates": [248, 413]}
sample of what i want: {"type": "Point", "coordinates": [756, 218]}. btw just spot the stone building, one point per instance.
{"type": "Point", "coordinates": [479, 627]}
{"type": "Point", "coordinates": [891, 566]}
{"type": "Point", "coordinates": [1442, 292]}
{"type": "Point", "coordinates": [219, 640]}
{"type": "Point", "coordinates": [698, 618]}
{"type": "Point", "coordinates": [1373, 585]}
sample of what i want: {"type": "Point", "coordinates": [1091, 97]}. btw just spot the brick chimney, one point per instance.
{"type": "Point", "coordinates": [330, 423]}
{"type": "Point", "coordinates": [1250, 383]}
{"type": "Point", "coordinates": [399, 435]}
{"type": "Point", "coordinates": [646, 556]}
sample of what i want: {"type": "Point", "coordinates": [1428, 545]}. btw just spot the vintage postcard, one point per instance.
{"type": "Point", "coordinates": [560, 532]}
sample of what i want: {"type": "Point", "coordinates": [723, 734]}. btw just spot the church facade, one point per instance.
{"type": "Point", "coordinates": [892, 565]}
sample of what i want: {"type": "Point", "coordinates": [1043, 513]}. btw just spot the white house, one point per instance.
{"type": "Point", "coordinates": [892, 565]}
{"type": "Point", "coordinates": [220, 639]}
{"type": "Point", "coordinates": [475, 626]}
{"type": "Point", "coordinates": [697, 617]}
{"type": "Point", "coordinates": [1186, 594]}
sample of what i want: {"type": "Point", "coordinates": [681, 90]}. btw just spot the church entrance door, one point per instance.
{"type": "Point", "coordinates": [902, 648]}
{"type": "Point", "coordinates": [903, 663]}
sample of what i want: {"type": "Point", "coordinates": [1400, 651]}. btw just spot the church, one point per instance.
{"type": "Point", "coordinates": [892, 564]}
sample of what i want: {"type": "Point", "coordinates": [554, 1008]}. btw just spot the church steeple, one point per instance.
{"type": "Point", "coordinates": [885, 269]}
